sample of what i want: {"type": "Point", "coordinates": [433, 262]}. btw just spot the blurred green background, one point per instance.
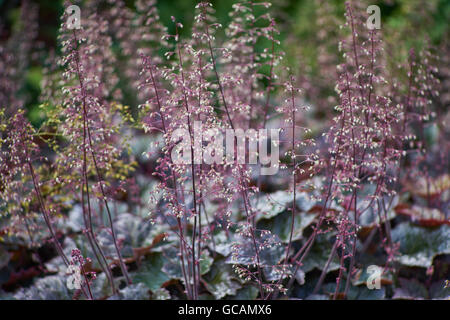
{"type": "Point", "coordinates": [418, 19]}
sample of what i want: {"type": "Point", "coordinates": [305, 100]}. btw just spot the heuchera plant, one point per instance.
{"type": "Point", "coordinates": [125, 216]}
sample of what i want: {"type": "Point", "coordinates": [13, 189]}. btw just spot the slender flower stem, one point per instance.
{"type": "Point", "coordinates": [245, 187]}
{"type": "Point", "coordinates": [294, 183]}
{"type": "Point", "coordinates": [148, 66]}
{"type": "Point", "coordinates": [47, 219]}
{"type": "Point", "coordinates": [99, 177]}
{"type": "Point", "coordinates": [191, 134]}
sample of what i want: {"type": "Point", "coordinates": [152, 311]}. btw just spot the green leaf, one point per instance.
{"type": "Point", "coordinates": [48, 288]}
{"type": "Point", "coordinates": [206, 262]}
{"type": "Point", "coordinates": [161, 294]}
{"type": "Point", "coordinates": [4, 257]}
{"type": "Point", "coordinates": [172, 265]}
{"type": "Point", "coordinates": [281, 225]}
{"type": "Point", "coordinates": [362, 276]}
{"type": "Point", "coordinates": [410, 289]}
{"type": "Point", "coordinates": [318, 256]}
{"type": "Point", "coordinates": [138, 291]}
{"type": "Point", "coordinates": [317, 297]}
{"type": "Point", "coordinates": [304, 201]}
{"type": "Point", "coordinates": [363, 293]}
{"type": "Point", "coordinates": [272, 204]}
{"type": "Point", "coordinates": [150, 272]}
{"type": "Point", "coordinates": [357, 293]}
{"type": "Point", "coordinates": [131, 228]}
{"type": "Point", "coordinates": [101, 287]}
{"type": "Point", "coordinates": [249, 292]}
{"type": "Point", "coordinates": [220, 281]}
{"type": "Point", "coordinates": [270, 253]}
{"type": "Point", "coordinates": [419, 246]}
{"type": "Point", "coordinates": [369, 218]}
{"type": "Point", "coordinates": [222, 244]}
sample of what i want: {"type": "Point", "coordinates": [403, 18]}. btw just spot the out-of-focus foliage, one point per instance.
{"type": "Point", "coordinates": [411, 239]}
{"type": "Point", "coordinates": [300, 21]}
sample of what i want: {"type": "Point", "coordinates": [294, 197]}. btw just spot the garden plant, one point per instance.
{"type": "Point", "coordinates": [224, 150]}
